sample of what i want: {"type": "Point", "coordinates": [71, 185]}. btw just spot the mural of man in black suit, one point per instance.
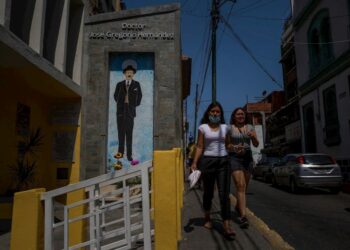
{"type": "Point", "coordinates": [128, 96]}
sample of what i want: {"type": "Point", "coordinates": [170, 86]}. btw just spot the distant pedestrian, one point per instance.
{"type": "Point", "coordinates": [190, 151]}
{"type": "Point", "coordinates": [212, 161]}
{"type": "Point", "coordinates": [238, 141]}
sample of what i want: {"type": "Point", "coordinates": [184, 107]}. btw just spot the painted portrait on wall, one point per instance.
{"type": "Point", "coordinates": [130, 114]}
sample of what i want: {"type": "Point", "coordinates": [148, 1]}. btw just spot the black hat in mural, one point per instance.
{"type": "Point", "coordinates": [129, 65]}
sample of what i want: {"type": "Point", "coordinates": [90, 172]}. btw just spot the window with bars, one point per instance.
{"type": "Point", "coordinates": [319, 39]}
{"type": "Point", "coordinates": [331, 129]}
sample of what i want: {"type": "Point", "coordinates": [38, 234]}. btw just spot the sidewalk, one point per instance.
{"type": "Point", "coordinates": [196, 237]}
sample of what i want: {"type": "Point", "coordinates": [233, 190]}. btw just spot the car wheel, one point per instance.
{"type": "Point", "coordinates": [334, 190]}
{"type": "Point", "coordinates": [274, 181]}
{"type": "Point", "coordinates": [293, 186]}
{"type": "Point", "coordinates": [265, 179]}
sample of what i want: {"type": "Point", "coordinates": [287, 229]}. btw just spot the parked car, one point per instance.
{"type": "Point", "coordinates": [308, 170]}
{"type": "Point", "coordinates": [263, 169]}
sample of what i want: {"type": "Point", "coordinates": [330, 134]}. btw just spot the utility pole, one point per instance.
{"type": "Point", "coordinates": [215, 18]}
{"type": "Point", "coordinates": [195, 114]}
{"type": "Point", "coordinates": [214, 23]}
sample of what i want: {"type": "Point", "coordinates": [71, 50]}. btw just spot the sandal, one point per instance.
{"type": "Point", "coordinates": [207, 222]}
{"type": "Point", "coordinates": [243, 222]}
{"type": "Point", "coordinates": [229, 232]}
{"type": "Point", "coordinates": [208, 225]}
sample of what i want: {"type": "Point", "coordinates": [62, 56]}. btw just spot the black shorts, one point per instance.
{"type": "Point", "coordinates": [244, 163]}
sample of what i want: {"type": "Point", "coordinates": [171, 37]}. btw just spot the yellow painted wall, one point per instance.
{"type": "Point", "coordinates": [168, 202]}
{"type": "Point", "coordinates": [6, 210]}
{"type": "Point", "coordinates": [28, 221]}
{"type": "Point", "coordinates": [10, 94]}
{"type": "Point", "coordinates": [14, 88]}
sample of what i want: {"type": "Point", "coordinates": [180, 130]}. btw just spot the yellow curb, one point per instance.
{"type": "Point", "coordinates": [270, 235]}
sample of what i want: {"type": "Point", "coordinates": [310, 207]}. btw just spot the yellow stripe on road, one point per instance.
{"type": "Point", "coordinates": [270, 235]}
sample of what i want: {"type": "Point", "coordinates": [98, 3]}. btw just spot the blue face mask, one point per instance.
{"type": "Point", "coordinates": [214, 119]}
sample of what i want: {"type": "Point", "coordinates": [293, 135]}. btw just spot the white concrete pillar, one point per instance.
{"type": "Point", "coordinates": [5, 12]}
{"type": "Point", "coordinates": [78, 54]}
{"type": "Point", "coordinates": [36, 36]}
{"type": "Point", "coordinates": [61, 48]}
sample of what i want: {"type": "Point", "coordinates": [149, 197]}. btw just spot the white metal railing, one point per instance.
{"type": "Point", "coordinates": [116, 211]}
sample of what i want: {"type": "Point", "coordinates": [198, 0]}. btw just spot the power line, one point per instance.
{"type": "Point", "coordinates": [184, 4]}
{"type": "Point", "coordinates": [296, 42]}
{"type": "Point", "coordinates": [282, 19]}
{"type": "Point", "coordinates": [247, 9]}
{"type": "Point", "coordinates": [228, 18]}
{"type": "Point", "coordinates": [209, 52]}
{"type": "Point", "coordinates": [249, 6]}
{"type": "Point", "coordinates": [307, 43]}
{"type": "Point", "coordinates": [250, 53]}
{"type": "Point", "coordinates": [191, 11]}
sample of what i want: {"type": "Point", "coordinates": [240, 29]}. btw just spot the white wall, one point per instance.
{"type": "Point", "coordinates": [339, 32]}
{"type": "Point", "coordinates": [343, 105]}
{"type": "Point", "coordinates": [2, 12]}
{"type": "Point", "coordinates": [37, 28]}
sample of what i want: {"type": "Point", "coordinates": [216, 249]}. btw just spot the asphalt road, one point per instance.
{"type": "Point", "coordinates": [313, 219]}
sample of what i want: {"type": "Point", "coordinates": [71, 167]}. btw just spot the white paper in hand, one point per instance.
{"type": "Point", "coordinates": [194, 177]}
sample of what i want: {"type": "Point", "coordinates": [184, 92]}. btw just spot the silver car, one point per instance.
{"type": "Point", "coordinates": [307, 170]}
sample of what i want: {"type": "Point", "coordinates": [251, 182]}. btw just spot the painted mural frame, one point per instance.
{"type": "Point", "coordinates": [132, 113]}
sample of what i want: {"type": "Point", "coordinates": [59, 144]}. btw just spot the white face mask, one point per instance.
{"type": "Point", "coordinates": [214, 119]}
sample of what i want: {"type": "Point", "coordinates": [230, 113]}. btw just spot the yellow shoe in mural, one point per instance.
{"type": "Point", "coordinates": [118, 165]}
{"type": "Point", "coordinates": [118, 155]}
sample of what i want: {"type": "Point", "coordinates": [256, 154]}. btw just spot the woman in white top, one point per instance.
{"type": "Point", "coordinates": [240, 136]}
{"type": "Point", "coordinates": [211, 156]}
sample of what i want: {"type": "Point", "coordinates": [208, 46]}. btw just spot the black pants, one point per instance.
{"type": "Point", "coordinates": [216, 169]}
{"type": "Point", "coordinates": [125, 124]}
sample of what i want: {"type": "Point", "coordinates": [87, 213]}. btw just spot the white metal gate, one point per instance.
{"type": "Point", "coordinates": [116, 211]}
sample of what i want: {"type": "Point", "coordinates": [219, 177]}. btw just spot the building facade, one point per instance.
{"type": "Point", "coordinates": [60, 64]}
{"type": "Point", "coordinates": [150, 37]}
{"type": "Point", "coordinates": [41, 44]}
{"type": "Point", "coordinates": [285, 122]}
{"type": "Point", "coordinates": [321, 30]}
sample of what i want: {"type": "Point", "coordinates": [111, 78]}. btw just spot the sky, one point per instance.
{"type": "Point", "coordinates": [258, 23]}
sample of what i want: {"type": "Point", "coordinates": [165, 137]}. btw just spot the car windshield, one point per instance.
{"type": "Point", "coordinates": [273, 159]}
{"type": "Point", "coordinates": [269, 160]}
{"type": "Point", "coordinates": [318, 159]}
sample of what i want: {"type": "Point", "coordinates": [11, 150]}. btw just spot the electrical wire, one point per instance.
{"type": "Point", "coordinates": [282, 19]}
{"type": "Point", "coordinates": [184, 4]}
{"type": "Point", "coordinates": [295, 42]}
{"type": "Point", "coordinates": [250, 53]}
{"type": "Point", "coordinates": [228, 18]}
{"type": "Point", "coordinates": [249, 6]}
{"type": "Point", "coordinates": [244, 10]}
{"type": "Point", "coordinates": [206, 66]}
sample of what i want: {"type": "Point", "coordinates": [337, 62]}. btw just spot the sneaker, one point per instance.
{"type": "Point", "coordinates": [243, 222]}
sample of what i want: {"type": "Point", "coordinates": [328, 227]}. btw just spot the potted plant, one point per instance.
{"type": "Point", "coordinates": [23, 171]}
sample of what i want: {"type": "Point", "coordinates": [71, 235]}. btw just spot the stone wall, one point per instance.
{"type": "Point", "coordinates": [103, 35]}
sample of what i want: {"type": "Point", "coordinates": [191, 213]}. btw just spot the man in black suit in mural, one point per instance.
{"type": "Point", "coordinates": [128, 96]}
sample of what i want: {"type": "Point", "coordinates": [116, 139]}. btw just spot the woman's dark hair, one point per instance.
{"type": "Point", "coordinates": [205, 118]}
{"type": "Point", "coordinates": [232, 120]}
